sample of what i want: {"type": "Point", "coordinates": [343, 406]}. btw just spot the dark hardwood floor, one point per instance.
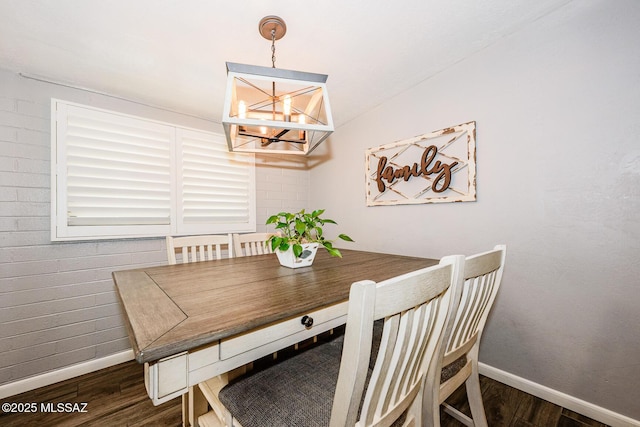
{"type": "Point", "coordinates": [509, 407]}
{"type": "Point", "coordinates": [116, 397]}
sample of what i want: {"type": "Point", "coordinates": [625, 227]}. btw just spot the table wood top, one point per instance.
{"type": "Point", "coordinates": [175, 308]}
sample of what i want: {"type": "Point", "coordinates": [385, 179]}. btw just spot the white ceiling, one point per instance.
{"type": "Point", "coordinates": [172, 53]}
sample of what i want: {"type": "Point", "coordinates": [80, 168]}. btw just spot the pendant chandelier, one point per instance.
{"type": "Point", "coordinates": [270, 110]}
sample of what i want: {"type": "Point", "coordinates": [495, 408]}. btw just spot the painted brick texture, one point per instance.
{"type": "Point", "coordinates": [58, 304]}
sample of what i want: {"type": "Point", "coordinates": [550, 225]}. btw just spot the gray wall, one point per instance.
{"type": "Point", "coordinates": [557, 107]}
{"type": "Point", "coordinates": [58, 306]}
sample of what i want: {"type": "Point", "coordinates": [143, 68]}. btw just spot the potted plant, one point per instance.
{"type": "Point", "coordinates": [300, 235]}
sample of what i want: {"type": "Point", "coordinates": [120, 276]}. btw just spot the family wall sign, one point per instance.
{"type": "Point", "coordinates": [432, 168]}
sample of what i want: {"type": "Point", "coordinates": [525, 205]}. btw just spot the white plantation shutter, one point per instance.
{"type": "Point", "coordinates": [118, 169]}
{"type": "Point", "coordinates": [115, 175]}
{"type": "Point", "coordinates": [216, 186]}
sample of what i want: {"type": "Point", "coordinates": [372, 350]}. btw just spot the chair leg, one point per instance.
{"type": "Point", "coordinates": [185, 410]}
{"type": "Point", "coordinates": [430, 405]}
{"type": "Point", "coordinates": [474, 395]}
{"type": "Point", "coordinates": [198, 405]}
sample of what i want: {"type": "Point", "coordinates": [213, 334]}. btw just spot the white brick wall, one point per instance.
{"type": "Point", "coordinates": [58, 304]}
{"type": "Point", "coordinates": [280, 188]}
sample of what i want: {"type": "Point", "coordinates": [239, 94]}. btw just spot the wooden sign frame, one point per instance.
{"type": "Point", "coordinates": [436, 167]}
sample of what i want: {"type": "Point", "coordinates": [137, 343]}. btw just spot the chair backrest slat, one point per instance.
{"type": "Point", "coordinates": [482, 277]}
{"type": "Point", "coordinates": [198, 248]}
{"type": "Point", "coordinates": [251, 244]}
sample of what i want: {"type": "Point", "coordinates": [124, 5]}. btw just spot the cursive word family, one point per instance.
{"type": "Point", "coordinates": [442, 171]}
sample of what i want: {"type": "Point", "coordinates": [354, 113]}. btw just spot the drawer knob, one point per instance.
{"type": "Point", "coordinates": [307, 321]}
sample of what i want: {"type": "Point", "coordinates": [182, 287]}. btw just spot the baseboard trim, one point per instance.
{"type": "Point", "coordinates": [566, 401]}
{"type": "Point", "coordinates": [48, 378]}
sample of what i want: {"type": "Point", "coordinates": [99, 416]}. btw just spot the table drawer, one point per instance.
{"type": "Point", "coordinates": [167, 378]}
{"type": "Point", "coordinates": [291, 330]}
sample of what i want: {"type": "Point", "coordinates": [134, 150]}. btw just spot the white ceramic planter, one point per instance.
{"type": "Point", "coordinates": [287, 259]}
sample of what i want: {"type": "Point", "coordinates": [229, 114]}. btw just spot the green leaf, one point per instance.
{"type": "Point", "coordinates": [317, 213]}
{"type": "Point", "coordinates": [275, 242]}
{"type": "Point", "coordinates": [334, 252]}
{"type": "Point", "coordinates": [330, 221]}
{"type": "Point", "coordinates": [272, 219]}
{"type": "Point", "coordinates": [284, 246]}
{"type": "Point", "coordinates": [300, 227]}
{"type": "Point", "coordinates": [297, 250]}
{"type": "Point", "coordinates": [345, 237]}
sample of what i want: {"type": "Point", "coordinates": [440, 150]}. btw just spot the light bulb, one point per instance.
{"type": "Point", "coordinates": [287, 108]}
{"type": "Point", "coordinates": [301, 120]}
{"type": "Point", "coordinates": [242, 110]}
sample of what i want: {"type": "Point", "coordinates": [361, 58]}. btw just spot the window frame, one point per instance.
{"type": "Point", "coordinates": [62, 231]}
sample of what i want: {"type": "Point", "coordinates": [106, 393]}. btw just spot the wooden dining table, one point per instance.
{"type": "Point", "coordinates": [188, 323]}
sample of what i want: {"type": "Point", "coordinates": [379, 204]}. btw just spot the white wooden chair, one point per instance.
{"type": "Point", "coordinates": [326, 384]}
{"type": "Point", "coordinates": [198, 248]}
{"type": "Point", "coordinates": [459, 358]}
{"type": "Point", "coordinates": [250, 244]}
